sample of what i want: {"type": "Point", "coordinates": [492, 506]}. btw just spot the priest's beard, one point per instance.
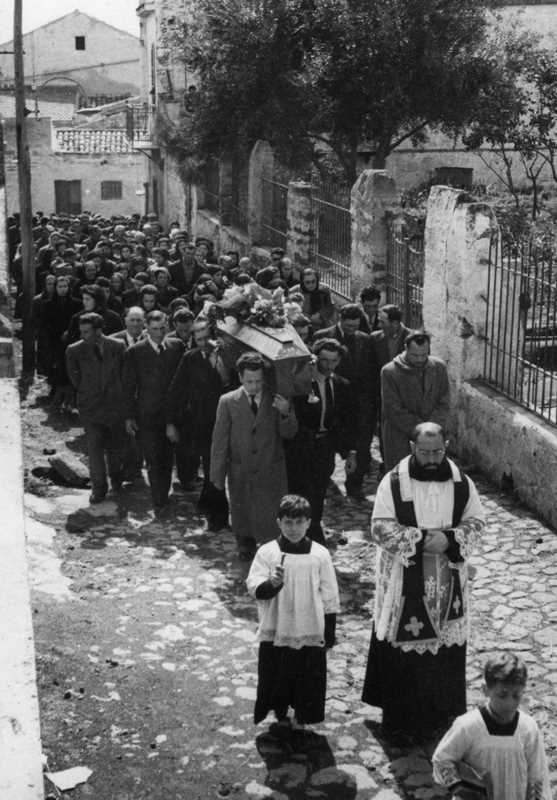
{"type": "Point", "coordinates": [430, 472]}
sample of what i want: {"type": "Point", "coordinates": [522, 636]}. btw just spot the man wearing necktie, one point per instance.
{"type": "Point", "coordinates": [134, 327]}
{"type": "Point", "coordinates": [95, 369]}
{"type": "Point", "coordinates": [326, 426]}
{"type": "Point", "coordinates": [149, 367]}
{"type": "Point", "coordinates": [356, 366]}
{"type": "Point", "coordinates": [247, 448]}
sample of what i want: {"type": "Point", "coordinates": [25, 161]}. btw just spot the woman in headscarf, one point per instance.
{"type": "Point", "coordinates": [317, 305]}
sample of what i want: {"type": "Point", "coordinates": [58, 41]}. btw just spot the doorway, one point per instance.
{"type": "Point", "coordinates": [67, 197]}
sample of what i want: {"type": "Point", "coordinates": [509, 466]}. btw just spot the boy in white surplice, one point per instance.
{"type": "Point", "coordinates": [294, 582]}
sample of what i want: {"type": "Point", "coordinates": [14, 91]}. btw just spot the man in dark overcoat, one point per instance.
{"type": "Point", "coordinates": [94, 365]}
{"type": "Point", "coordinates": [193, 396]}
{"type": "Point", "coordinates": [326, 426]}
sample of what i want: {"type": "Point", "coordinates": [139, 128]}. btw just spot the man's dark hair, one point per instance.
{"type": "Point", "coordinates": [148, 289]}
{"type": "Point", "coordinates": [277, 251]}
{"type": "Point", "coordinates": [91, 318]}
{"type": "Point", "coordinates": [155, 316]}
{"type": "Point", "coordinates": [369, 293]}
{"type": "Point", "coordinates": [182, 315]}
{"type": "Point", "coordinates": [294, 507]}
{"type": "Point", "coordinates": [95, 291]}
{"type": "Point", "coordinates": [177, 303]}
{"type": "Point", "coordinates": [102, 281]}
{"type": "Point", "coordinates": [329, 344]}
{"type": "Point", "coordinates": [505, 668]}
{"type": "Point", "coordinates": [142, 276]}
{"type": "Point", "coordinates": [251, 361]}
{"type": "Point", "coordinates": [420, 337]}
{"type": "Point", "coordinates": [393, 313]}
{"type": "Point", "coordinates": [351, 311]}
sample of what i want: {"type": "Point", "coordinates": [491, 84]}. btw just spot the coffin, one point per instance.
{"type": "Point", "coordinates": [288, 360]}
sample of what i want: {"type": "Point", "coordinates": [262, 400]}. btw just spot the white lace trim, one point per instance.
{"type": "Point", "coordinates": [467, 535]}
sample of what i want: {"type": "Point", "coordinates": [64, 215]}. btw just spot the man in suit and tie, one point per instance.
{"type": "Point", "coordinates": [356, 366]}
{"type": "Point", "coordinates": [247, 449]}
{"type": "Point", "coordinates": [149, 367]}
{"type": "Point", "coordinates": [326, 426]}
{"type": "Point", "coordinates": [94, 367]}
{"type": "Point", "coordinates": [134, 322]}
{"type": "Point", "coordinates": [369, 298]}
{"type": "Point", "coordinates": [193, 396]}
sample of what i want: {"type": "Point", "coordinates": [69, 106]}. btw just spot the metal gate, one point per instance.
{"type": "Point", "coordinates": [331, 249]}
{"type": "Point", "coordinates": [405, 274]}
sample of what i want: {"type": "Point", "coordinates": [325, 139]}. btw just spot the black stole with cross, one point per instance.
{"type": "Point", "coordinates": [414, 623]}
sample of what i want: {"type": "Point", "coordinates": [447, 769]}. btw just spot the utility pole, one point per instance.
{"type": "Point", "coordinates": [25, 211]}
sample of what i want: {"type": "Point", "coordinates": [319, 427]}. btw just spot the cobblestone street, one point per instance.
{"type": "Point", "coordinates": [145, 641]}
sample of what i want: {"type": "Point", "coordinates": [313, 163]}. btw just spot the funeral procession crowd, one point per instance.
{"type": "Point", "coordinates": [138, 330]}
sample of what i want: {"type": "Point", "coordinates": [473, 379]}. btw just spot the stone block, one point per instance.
{"type": "Point", "coordinates": [331, 782]}
{"type": "Point", "coordinates": [70, 468]}
{"type": "Point", "coordinates": [290, 777]}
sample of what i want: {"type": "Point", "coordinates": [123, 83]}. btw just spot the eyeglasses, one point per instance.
{"type": "Point", "coordinates": [425, 453]}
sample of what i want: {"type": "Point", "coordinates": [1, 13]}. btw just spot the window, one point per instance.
{"type": "Point", "coordinates": [80, 42]}
{"type": "Point", "coordinates": [111, 190]}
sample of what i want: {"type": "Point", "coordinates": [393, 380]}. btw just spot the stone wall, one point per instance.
{"type": "Point", "coordinates": [505, 441]}
{"type": "Point", "coordinates": [48, 166]}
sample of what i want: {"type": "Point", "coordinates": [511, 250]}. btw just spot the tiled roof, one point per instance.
{"type": "Point", "coordinates": [87, 140]}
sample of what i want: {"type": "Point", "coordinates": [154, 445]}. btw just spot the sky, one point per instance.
{"type": "Point", "coordinates": [120, 13]}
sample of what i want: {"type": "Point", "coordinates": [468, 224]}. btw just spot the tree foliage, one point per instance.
{"type": "Point", "coordinates": [516, 115]}
{"type": "Point", "coordinates": [315, 76]}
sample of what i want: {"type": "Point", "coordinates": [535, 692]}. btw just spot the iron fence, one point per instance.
{"type": "Point", "coordinates": [521, 325]}
{"type": "Point", "coordinates": [405, 274]}
{"type": "Point", "coordinates": [332, 244]}
{"type": "Point", "coordinates": [275, 220]}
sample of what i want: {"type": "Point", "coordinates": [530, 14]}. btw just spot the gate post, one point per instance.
{"type": "Point", "coordinates": [301, 224]}
{"type": "Point", "coordinates": [457, 240]}
{"type": "Point", "coordinates": [261, 166]}
{"type": "Point", "coordinates": [373, 199]}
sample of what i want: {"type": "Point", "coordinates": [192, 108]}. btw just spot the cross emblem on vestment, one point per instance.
{"type": "Point", "coordinates": [414, 626]}
{"type": "Point", "coordinates": [457, 604]}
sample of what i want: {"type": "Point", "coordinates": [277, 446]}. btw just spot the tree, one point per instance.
{"type": "Point", "coordinates": [315, 76]}
{"type": "Point", "coordinates": [516, 115]}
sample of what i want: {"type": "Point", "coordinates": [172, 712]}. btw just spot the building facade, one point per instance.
{"type": "Point", "coordinates": [79, 57]}
{"type": "Point", "coordinates": [164, 87]}
{"type": "Point", "coordinates": [76, 169]}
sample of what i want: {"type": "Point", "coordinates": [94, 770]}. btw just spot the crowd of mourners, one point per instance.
{"type": "Point", "coordinates": [126, 339]}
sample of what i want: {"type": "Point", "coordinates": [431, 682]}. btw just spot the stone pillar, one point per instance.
{"type": "Point", "coordinates": [261, 166]}
{"type": "Point", "coordinates": [374, 199]}
{"type": "Point", "coordinates": [457, 239]}
{"type": "Point", "coordinates": [225, 191]}
{"type": "Point", "coordinates": [301, 224]}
